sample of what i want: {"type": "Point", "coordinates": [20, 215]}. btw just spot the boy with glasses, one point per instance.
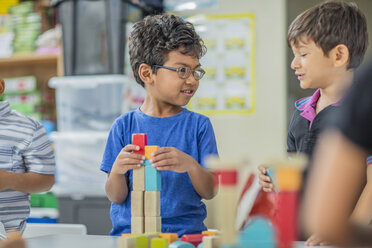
{"type": "Point", "coordinates": [164, 54]}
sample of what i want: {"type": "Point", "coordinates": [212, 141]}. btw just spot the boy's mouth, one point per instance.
{"type": "Point", "coordinates": [188, 92]}
{"type": "Point", "coordinates": [300, 76]}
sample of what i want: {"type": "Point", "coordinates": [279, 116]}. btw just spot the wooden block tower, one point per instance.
{"type": "Point", "coordinates": [145, 197]}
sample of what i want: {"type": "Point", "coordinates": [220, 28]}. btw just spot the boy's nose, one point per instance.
{"type": "Point", "coordinates": [294, 64]}
{"type": "Point", "coordinates": [191, 80]}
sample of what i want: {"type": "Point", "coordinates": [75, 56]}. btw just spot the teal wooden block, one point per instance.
{"type": "Point", "coordinates": [146, 162]}
{"type": "Point", "coordinates": [258, 233]}
{"type": "Point", "coordinates": [152, 179]}
{"type": "Point", "coordinates": [180, 244]}
{"type": "Point", "coordinates": [271, 173]}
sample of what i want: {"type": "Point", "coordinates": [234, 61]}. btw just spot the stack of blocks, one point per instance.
{"type": "Point", "coordinates": [145, 196]}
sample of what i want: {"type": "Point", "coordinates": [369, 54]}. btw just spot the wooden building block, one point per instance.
{"type": "Point", "coordinates": [137, 203]}
{"type": "Point", "coordinates": [147, 162]}
{"type": "Point", "coordinates": [137, 225]}
{"type": "Point", "coordinates": [194, 239]}
{"type": "Point", "coordinates": [153, 224]}
{"type": "Point", "coordinates": [180, 244]}
{"type": "Point", "coordinates": [126, 242]}
{"type": "Point", "coordinates": [226, 214]}
{"type": "Point", "coordinates": [126, 235]}
{"type": "Point", "coordinates": [152, 179]}
{"type": "Point", "coordinates": [159, 243]}
{"type": "Point", "coordinates": [211, 242]}
{"type": "Point", "coordinates": [150, 237]}
{"type": "Point", "coordinates": [139, 139]}
{"type": "Point", "coordinates": [210, 233]}
{"type": "Point", "coordinates": [149, 150]}
{"type": "Point", "coordinates": [172, 237]}
{"type": "Point", "coordinates": [152, 203]}
{"type": "Point", "coordinates": [141, 241]}
{"type": "Point", "coordinates": [288, 179]}
{"type": "Point", "coordinates": [139, 178]}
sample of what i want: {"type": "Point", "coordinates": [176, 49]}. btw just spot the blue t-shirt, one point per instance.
{"type": "Point", "coordinates": [182, 210]}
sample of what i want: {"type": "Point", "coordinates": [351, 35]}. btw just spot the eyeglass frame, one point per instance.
{"type": "Point", "coordinates": [178, 71]}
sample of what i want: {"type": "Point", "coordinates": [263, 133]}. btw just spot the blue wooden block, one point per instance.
{"type": "Point", "coordinates": [180, 244]}
{"type": "Point", "coordinates": [258, 233]}
{"type": "Point", "coordinates": [271, 173]}
{"type": "Point", "coordinates": [152, 179]}
{"type": "Point", "coordinates": [147, 162]}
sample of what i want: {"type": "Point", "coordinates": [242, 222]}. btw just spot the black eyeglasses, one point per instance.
{"type": "Point", "coordinates": [184, 72]}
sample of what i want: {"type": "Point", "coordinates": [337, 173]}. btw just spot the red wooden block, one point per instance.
{"type": "Point", "coordinates": [287, 218]}
{"type": "Point", "coordinates": [194, 239]}
{"type": "Point", "coordinates": [227, 177]}
{"type": "Point", "coordinates": [139, 139]}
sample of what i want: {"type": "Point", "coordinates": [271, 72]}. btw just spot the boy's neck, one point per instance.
{"type": "Point", "coordinates": [151, 108]}
{"type": "Point", "coordinates": [335, 91]}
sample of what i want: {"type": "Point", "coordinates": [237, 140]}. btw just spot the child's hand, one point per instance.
{"type": "Point", "coordinates": [14, 240]}
{"type": "Point", "coordinates": [172, 159]}
{"type": "Point", "coordinates": [126, 160]}
{"type": "Point", "coordinates": [265, 181]}
{"type": "Point", "coordinates": [315, 240]}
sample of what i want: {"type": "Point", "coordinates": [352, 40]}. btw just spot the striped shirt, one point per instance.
{"type": "Point", "coordinates": [24, 147]}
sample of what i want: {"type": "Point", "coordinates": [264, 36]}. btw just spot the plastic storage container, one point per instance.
{"type": "Point", "coordinates": [78, 160]}
{"type": "Point", "coordinates": [88, 103]}
{"type": "Point", "coordinates": [94, 33]}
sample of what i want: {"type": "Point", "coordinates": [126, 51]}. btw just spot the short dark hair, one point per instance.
{"type": "Point", "coordinates": [155, 36]}
{"type": "Point", "coordinates": [332, 23]}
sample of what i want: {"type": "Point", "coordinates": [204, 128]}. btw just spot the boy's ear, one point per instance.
{"type": "Point", "coordinates": [341, 55]}
{"type": "Point", "coordinates": [2, 86]}
{"type": "Point", "coordinates": [145, 73]}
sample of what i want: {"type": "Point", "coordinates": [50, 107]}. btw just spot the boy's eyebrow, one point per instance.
{"type": "Point", "coordinates": [183, 64]}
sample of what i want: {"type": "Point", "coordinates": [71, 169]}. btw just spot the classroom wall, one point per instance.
{"type": "Point", "coordinates": [264, 132]}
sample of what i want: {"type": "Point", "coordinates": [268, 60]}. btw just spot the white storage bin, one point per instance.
{"type": "Point", "coordinates": [88, 102]}
{"type": "Point", "coordinates": [78, 160]}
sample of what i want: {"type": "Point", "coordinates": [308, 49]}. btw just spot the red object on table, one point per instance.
{"type": "Point", "coordinates": [139, 139]}
{"type": "Point", "coordinates": [194, 239]}
{"type": "Point", "coordinates": [287, 218]}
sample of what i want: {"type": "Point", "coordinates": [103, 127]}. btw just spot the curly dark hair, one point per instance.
{"type": "Point", "coordinates": [155, 36]}
{"type": "Point", "coordinates": [332, 23]}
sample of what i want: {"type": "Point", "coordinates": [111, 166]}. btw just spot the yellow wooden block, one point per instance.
{"type": "Point", "coordinates": [149, 150]}
{"type": "Point", "coordinates": [137, 225]}
{"type": "Point", "coordinates": [288, 179]}
{"type": "Point", "coordinates": [126, 234]}
{"type": "Point", "coordinates": [152, 224]}
{"type": "Point", "coordinates": [139, 178]}
{"type": "Point", "coordinates": [159, 243]}
{"type": "Point", "coordinates": [152, 203]}
{"type": "Point", "coordinates": [209, 233]}
{"type": "Point", "coordinates": [171, 237]}
{"type": "Point", "coordinates": [137, 203]}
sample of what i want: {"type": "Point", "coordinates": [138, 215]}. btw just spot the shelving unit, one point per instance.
{"type": "Point", "coordinates": [41, 66]}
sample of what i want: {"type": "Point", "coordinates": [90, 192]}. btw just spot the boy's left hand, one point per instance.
{"type": "Point", "coordinates": [172, 159]}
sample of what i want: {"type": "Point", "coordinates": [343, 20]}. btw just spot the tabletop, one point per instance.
{"type": "Point", "coordinates": [93, 241]}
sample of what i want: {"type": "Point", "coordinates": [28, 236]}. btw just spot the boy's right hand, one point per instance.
{"type": "Point", "coordinates": [126, 160]}
{"type": "Point", "coordinates": [265, 181]}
